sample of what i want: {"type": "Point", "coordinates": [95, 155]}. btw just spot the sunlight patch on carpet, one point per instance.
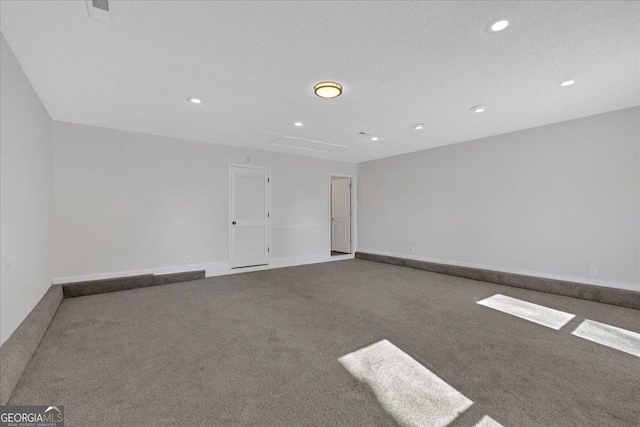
{"type": "Point", "coordinates": [611, 336]}
{"type": "Point", "coordinates": [409, 392]}
{"type": "Point", "coordinates": [549, 317]}
{"type": "Point", "coordinates": [487, 421]}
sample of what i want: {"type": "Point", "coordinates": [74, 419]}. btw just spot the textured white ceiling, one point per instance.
{"type": "Point", "coordinates": [255, 64]}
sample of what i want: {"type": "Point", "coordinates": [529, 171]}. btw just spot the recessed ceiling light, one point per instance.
{"type": "Point", "coordinates": [195, 100]}
{"type": "Point", "coordinates": [479, 108]}
{"type": "Point", "coordinates": [418, 126]}
{"type": "Point", "coordinates": [567, 83]}
{"type": "Point", "coordinates": [328, 89]}
{"type": "Point", "coordinates": [297, 124]}
{"type": "Point", "coordinates": [374, 138]}
{"type": "Point", "coordinates": [499, 25]}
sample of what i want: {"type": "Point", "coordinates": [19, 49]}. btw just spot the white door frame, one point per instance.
{"type": "Point", "coordinates": [354, 215]}
{"type": "Point", "coordinates": [240, 165]}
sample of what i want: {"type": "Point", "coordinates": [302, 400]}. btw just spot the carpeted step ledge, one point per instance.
{"type": "Point", "coordinates": [93, 287]}
{"type": "Point", "coordinates": [613, 296]}
{"type": "Point", "coordinates": [16, 352]}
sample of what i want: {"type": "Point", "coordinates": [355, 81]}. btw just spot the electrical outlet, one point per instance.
{"type": "Point", "coordinates": [413, 249]}
{"type": "Point", "coordinates": [593, 272]}
{"type": "Point", "coordinates": [187, 259]}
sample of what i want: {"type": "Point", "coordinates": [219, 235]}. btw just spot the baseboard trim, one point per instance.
{"type": "Point", "coordinates": [211, 269]}
{"type": "Point", "coordinates": [622, 297]}
{"type": "Point", "coordinates": [16, 352]}
{"type": "Point", "coordinates": [223, 268]}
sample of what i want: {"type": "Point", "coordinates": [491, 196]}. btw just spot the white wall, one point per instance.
{"type": "Point", "coordinates": [25, 195]}
{"type": "Point", "coordinates": [125, 202]}
{"type": "Point", "coordinates": [552, 201]}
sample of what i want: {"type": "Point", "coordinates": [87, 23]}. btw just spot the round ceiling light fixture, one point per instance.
{"type": "Point", "coordinates": [499, 25]}
{"type": "Point", "coordinates": [328, 89]}
{"type": "Point", "coordinates": [567, 83]}
{"type": "Point", "coordinates": [418, 126]}
{"type": "Point", "coordinates": [298, 124]}
{"type": "Point", "coordinates": [374, 138]}
{"type": "Point", "coordinates": [479, 108]}
{"type": "Point", "coordinates": [195, 100]}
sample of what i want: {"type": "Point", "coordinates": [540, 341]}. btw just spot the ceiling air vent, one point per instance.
{"type": "Point", "coordinates": [101, 4]}
{"type": "Point", "coordinates": [99, 10]}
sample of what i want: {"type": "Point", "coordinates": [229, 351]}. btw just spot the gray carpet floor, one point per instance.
{"type": "Point", "coordinates": [262, 349]}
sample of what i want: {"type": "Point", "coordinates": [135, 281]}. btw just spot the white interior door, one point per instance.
{"type": "Point", "coordinates": [249, 216]}
{"type": "Point", "coordinates": [341, 215]}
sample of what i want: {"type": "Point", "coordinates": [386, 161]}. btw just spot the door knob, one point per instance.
{"type": "Point", "coordinates": [234, 223]}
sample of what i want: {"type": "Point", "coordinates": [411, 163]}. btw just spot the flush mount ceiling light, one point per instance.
{"type": "Point", "coordinates": [479, 108]}
{"type": "Point", "coordinates": [374, 138]}
{"type": "Point", "coordinates": [567, 83]}
{"type": "Point", "coordinates": [328, 89]}
{"type": "Point", "coordinates": [499, 25]}
{"type": "Point", "coordinates": [298, 124]}
{"type": "Point", "coordinates": [195, 100]}
{"type": "Point", "coordinates": [418, 126]}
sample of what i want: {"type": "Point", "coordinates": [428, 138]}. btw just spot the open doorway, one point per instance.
{"type": "Point", "coordinates": [341, 215]}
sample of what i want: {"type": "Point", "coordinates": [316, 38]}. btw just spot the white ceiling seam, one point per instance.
{"type": "Point", "coordinates": [305, 144]}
